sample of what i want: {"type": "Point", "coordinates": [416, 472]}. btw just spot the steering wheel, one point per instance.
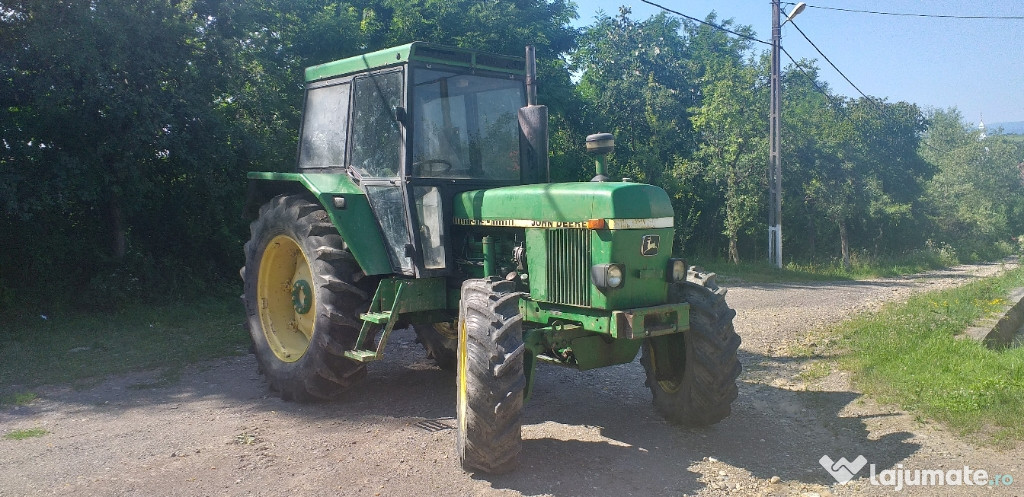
{"type": "Point", "coordinates": [442, 166]}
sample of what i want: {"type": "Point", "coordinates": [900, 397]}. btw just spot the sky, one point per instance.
{"type": "Point", "coordinates": [974, 65]}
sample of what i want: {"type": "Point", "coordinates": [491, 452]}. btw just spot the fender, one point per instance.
{"type": "Point", "coordinates": [345, 204]}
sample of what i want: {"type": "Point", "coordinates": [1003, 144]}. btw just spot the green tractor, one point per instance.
{"type": "Point", "coordinates": [422, 199]}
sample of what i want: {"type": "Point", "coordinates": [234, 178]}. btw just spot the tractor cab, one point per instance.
{"type": "Point", "coordinates": [412, 126]}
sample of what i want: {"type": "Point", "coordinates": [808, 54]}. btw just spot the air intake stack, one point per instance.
{"type": "Point", "coordinates": [600, 145]}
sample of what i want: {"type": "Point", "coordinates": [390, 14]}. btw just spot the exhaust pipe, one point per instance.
{"type": "Point", "coordinates": [531, 75]}
{"type": "Point", "coordinates": [533, 128]}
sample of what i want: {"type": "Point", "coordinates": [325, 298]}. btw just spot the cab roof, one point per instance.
{"type": "Point", "coordinates": [420, 52]}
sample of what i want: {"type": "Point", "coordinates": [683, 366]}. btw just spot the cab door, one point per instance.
{"type": "Point", "coordinates": [378, 146]}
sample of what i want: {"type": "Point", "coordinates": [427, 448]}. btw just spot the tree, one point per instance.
{"type": "Point", "coordinates": [976, 199]}
{"type": "Point", "coordinates": [888, 142]}
{"type": "Point", "coordinates": [636, 86]}
{"type": "Point", "coordinates": [128, 126]}
{"type": "Point", "coordinates": [635, 83]}
{"type": "Point", "coordinates": [107, 109]}
{"type": "Point", "coordinates": [730, 126]}
{"type": "Point", "coordinates": [852, 163]}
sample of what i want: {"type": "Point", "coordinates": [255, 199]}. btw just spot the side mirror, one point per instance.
{"type": "Point", "coordinates": [400, 114]}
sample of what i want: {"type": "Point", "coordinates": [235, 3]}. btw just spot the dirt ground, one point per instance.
{"type": "Point", "coordinates": [218, 431]}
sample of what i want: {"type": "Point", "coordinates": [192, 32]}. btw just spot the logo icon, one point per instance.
{"type": "Point", "coordinates": [842, 470]}
{"type": "Point", "coordinates": [649, 245]}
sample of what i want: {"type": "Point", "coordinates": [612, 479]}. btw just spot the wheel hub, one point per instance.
{"type": "Point", "coordinates": [286, 298]}
{"type": "Point", "coordinates": [302, 296]}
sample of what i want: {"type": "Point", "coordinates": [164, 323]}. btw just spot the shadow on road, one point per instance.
{"type": "Point", "coordinates": [591, 433]}
{"type": "Point", "coordinates": [772, 432]}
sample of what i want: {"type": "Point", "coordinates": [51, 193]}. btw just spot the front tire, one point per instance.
{"type": "Point", "coordinates": [301, 301]}
{"type": "Point", "coordinates": [692, 375]}
{"type": "Point", "coordinates": [491, 379]}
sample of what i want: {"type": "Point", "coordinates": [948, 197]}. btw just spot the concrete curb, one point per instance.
{"type": "Point", "coordinates": [1004, 332]}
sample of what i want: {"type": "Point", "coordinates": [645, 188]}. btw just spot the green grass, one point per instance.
{"type": "Point", "coordinates": [23, 434]}
{"type": "Point", "coordinates": [908, 354]}
{"type": "Point", "coordinates": [18, 399]}
{"type": "Point", "coordinates": [816, 370]}
{"type": "Point", "coordinates": [76, 347]}
{"type": "Point", "coordinates": [762, 272]}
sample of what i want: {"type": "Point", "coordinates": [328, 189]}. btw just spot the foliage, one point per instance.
{"type": "Point", "coordinates": [634, 65]}
{"type": "Point", "coordinates": [852, 164]}
{"type": "Point", "coordinates": [128, 126]}
{"type": "Point", "coordinates": [732, 144]}
{"type": "Point", "coordinates": [112, 143]}
{"type": "Point", "coordinates": [862, 266]}
{"type": "Point", "coordinates": [976, 200]}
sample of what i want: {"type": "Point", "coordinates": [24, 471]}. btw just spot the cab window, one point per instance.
{"type": "Point", "coordinates": [325, 126]}
{"type": "Point", "coordinates": [465, 125]}
{"type": "Point", "coordinates": [376, 135]}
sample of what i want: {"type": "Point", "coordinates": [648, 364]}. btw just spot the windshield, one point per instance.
{"type": "Point", "coordinates": [465, 126]}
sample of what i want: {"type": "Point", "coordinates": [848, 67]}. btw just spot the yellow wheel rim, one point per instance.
{"type": "Point", "coordinates": [463, 371]}
{"type": "Point", "coordinates": [287, 299]}
{"type": "Point", "coordinates": [447, 330]}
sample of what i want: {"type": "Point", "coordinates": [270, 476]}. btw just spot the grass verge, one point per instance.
{"type": "Point", "coordinates": [76, 347]}
{"type": "Point", "coordinates": [763, 272]}
{"type": "Point", "coordinates": [862, 267]}
{"type": "Point", "coordinates": [908, 354]}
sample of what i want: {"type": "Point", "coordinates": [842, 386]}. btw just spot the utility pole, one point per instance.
{"type": "Point", "coordinates": [775, 138]}
{"type": "Point", "coordinates": [775, 142]}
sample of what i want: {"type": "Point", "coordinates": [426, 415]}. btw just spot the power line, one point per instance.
{"type": "Point", "coordinates": [881, 108]}
{"type": "Point", "coordinates": [836, 107]}
{"type": "Point", "coordinates": [722, 28]}
{"type": "Point", "coordinates": [904, 14]}
{"type": "Point", "coordinates": [797, 65]}
{"type": "Point", "coordinates": [814, 82]}
{"type": "Point", "coordinates": [827, 59]}
{"type": "Point", "coordinates": [751, 38]}
{"type": "Point", "coordinates": [840, 109]}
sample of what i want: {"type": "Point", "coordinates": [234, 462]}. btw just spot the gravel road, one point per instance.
{"type": "Point", "coordinates": [218, 431]}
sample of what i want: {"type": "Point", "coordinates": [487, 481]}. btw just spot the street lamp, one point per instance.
{"type": "Point", "coordinates": [774, 130]}
{"type": "Point", "coordinates": [797, 9]}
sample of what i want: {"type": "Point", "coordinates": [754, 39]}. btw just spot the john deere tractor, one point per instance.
{"type": "Point", "coordinates": [422, 199]}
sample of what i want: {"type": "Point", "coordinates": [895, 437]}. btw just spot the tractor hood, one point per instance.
{"type": "Point", "coordinates": [564, 205]}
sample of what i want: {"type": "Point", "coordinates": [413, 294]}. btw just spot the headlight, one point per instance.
{"type": "Point", "coordinates": [676, 270]}
{"type": "Point", "coordinates": [607, 275]}
{"type": "Point", "coordinates": [614, 276]}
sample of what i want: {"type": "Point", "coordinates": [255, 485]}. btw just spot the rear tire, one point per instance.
{"type": "Point", "coordinates": [692, 375]}
{"type": "Point", "coordinates": [491, 379]}
{"type": "Point", "coordinates": [441, 341]}
{"type": "Point", "coordinates": [301, 302]}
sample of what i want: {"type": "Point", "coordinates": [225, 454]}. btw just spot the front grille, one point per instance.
{"type": "Point", "coordinates": [568, 268]}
